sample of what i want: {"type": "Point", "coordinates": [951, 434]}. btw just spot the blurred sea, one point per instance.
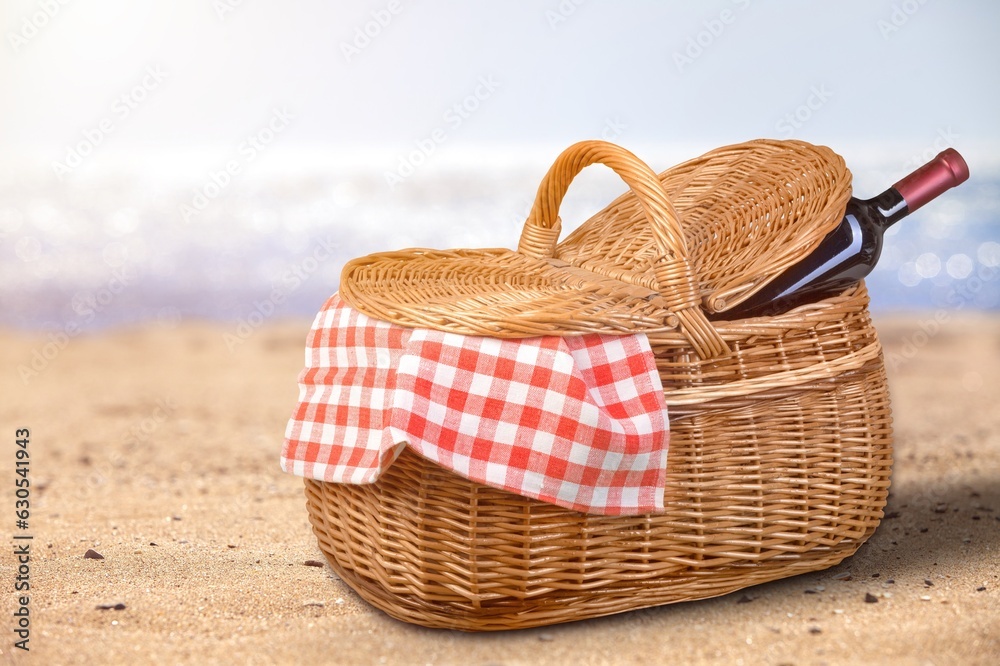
{"type": "Point", "coordinates": [106, 249]}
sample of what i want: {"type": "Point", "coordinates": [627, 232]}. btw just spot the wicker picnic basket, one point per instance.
{"type": "Point", "coordinates": [780, 445]}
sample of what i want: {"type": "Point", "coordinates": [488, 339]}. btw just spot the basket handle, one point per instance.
{"type": "Point", "coordinates": [674, 275]}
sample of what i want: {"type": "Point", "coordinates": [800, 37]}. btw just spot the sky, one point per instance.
{"type": "Point", "coordinates": [209, 144]}
{"type": "Point", "coordinates": [179, 86]}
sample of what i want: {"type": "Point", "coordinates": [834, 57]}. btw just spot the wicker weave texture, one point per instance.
{"type": "Point", "coordinates": [776, 467]}
{"type": "Point", "coordinates": [747, 212]}
{"type": "Point", "coordinates": [781, 439]}
{"type": "Point", "coordinates": [709, 232]}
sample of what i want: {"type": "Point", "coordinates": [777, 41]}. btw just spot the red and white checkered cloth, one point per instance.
{"type": "Point", "coordinates": [579, 421]}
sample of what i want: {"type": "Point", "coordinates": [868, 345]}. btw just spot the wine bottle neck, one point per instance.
{"type": "Point", "coordinates": [939, 175]}
{"type": "Point", "coordinates": [889, 207]}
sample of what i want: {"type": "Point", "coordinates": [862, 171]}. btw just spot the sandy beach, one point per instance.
{"type": "Point", "coordinates": [157, 447]}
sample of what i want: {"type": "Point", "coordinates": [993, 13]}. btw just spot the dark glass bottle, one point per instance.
{"type": "Point", "coordinates": [849, 252]}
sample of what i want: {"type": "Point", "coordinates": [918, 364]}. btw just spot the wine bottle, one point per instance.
{"type": "Point", "coordinates": [849, 252]}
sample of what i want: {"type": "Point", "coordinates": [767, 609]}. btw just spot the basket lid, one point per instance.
{"type": "Point", "coordinates": [748, 212]}
{"type": "Point", "coordinates": [628, 269]}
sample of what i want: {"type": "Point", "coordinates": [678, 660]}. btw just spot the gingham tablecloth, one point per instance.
{"type": "Point", "coordinates": [577, 421]}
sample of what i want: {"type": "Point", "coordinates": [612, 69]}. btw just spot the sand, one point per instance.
{"type": "Point", "coordinates": [158, 448]}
